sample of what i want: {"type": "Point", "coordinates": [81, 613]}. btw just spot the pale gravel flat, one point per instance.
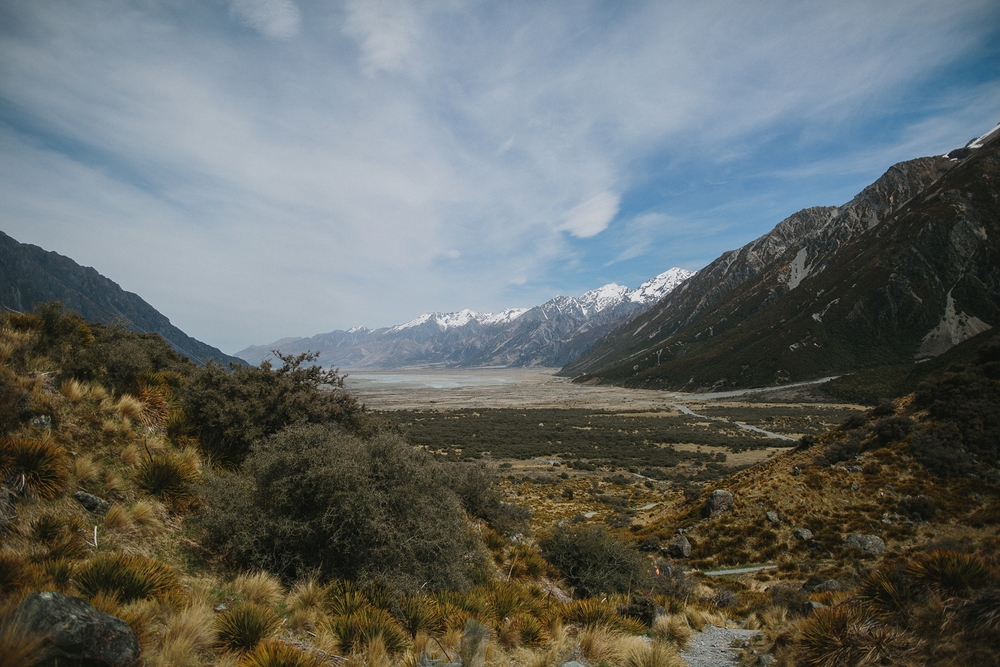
{"type": "Point", "coordinates": [714, 647]}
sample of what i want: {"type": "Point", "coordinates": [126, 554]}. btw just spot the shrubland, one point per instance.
{"type": "Point", "coordinates": [262, 516]}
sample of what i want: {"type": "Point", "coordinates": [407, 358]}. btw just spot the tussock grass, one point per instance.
{"type": "Point", "coordinates": [84, 470]}
{"type": "Point", "coordinates": [672, 629]}
{"type": "Point", "coordinates": [279, 654]}
{"type": "Point", "coordinates": [126, 577]}
{"type": "Point", "coordinates": [118, 519]}
{"type": "Point", "coordinates": [638, 653]}
{"type": "Point", "coordinates": [244, 626]}
{"type": "Point", "coordinates": [361, 629]}
{"type": "Point", "coordinates": [601, 644]}
{"type": "Point", "coordinates": [18, 646]}
{"type": "Point", "coordinates": [187, 636]}
{"type": "Point", "coordinates": [38, 467]}
{"type": "Point", "coordinates": [147, 516]}
{"type": "Point", "coordinates": [951, 572]}
{"type": "Point", "coordinates": [167, 476]}
{"type": "Point", "coordinates": [260, 588]}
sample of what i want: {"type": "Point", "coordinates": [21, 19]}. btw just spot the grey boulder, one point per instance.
{"type": "Point", "coordinates": [869, 545]}
{"type": "Point", "coordinates": [78, 634]}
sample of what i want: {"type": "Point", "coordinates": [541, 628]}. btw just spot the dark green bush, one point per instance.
{"type": "Point", "coordinates": [592, 561]}
{"type": "Point", "coordinates": [475, 485]}
{"type": "Point", "coordinates": [15, 402]}
{"type": "Point", "coordinates": [314, 499]}
{"type": "Point", "coordinates": [231, 409]}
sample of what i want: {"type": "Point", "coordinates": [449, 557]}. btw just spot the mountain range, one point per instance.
{"type": "Point", "coordinates": [30, 276]}
{"type": "Point", "coordinates": [549, 335]}
{"type": "Point", "coordinates": [903, 272]}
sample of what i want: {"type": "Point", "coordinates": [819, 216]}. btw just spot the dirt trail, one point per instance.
{"type": "Point", "coordinates": [714, 647]}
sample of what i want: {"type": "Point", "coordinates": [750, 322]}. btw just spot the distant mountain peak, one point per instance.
{"type": "Point", "coordinates": [547, 335]}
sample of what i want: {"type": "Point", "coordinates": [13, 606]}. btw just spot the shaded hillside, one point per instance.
{"type": "Point", "coordinates": [903, 272]}
{"type": "Point", "coordinates": [30, 276]}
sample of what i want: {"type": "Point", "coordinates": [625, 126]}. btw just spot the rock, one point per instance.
{"type": "Point", "coordinates": [855, 486]}
{"type": "Point", "coordinates": [803, 534]}
{"type": "Point", "coordinates": [809, 606]}
{"type": "Point", "coordinates": [679, 548]}
{"type": "Point", "coordinates": [651, 543]}
{"type": "Point", "coordinates": [718, 502]}
{"type": "Point", "coordinates": [795, 471]}
{"type": "Point", "coordinates": [869, 545]}
{"type": "Point", "coordinates": [773, 517]}
{"type": "Point", "coordinates": [828, 585]}
{"type": "Point", "coordinates": [78, 634]}
{"type": "Point", "coordinates": [572, 663]}
{"type": "Point", "coordinates": [92, 503]}
{"type": "Point", "coordinates": [42, 421]}
{"type": "Point", "coordinates": [765, 660]}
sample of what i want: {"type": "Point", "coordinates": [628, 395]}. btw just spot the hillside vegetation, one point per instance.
{"type": "Point", "coordinates": [262, 516]}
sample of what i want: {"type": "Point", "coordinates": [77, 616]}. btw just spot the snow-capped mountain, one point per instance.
{"type": "Point", "coordinates": [551, 334]}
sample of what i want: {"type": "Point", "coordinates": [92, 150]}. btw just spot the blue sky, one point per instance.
{"type": "Point", "coordinates": [257, 169]}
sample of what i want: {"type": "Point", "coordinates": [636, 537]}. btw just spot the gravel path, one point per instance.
{"type": "Point", "coordinates": [713, 647]}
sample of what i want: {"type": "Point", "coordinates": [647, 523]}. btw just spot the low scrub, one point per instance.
{"type": "Point", "coordinates": [593, 561]}
{"type": "Point", "coordinates": [316, 499]}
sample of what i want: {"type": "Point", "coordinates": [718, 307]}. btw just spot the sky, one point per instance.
{"type": "Point", "coordinates": [256, 169]}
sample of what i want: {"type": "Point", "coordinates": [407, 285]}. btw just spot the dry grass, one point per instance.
{"type": "Point", "coordinates": [187, 636]}
{"type": "Point", "coordinates": [638, 653]}
{"type": "Point", "coordinates": [148, 516]}
{"type": "Point", "coordinates": [118, 519]}
{"type": "Point", "coordinates": [672, 629]}
{"type": "Point", "coordinates": [259, 588]}
{"type": "Point", "coordinates": [84, 470]}
{"type": "Point", "coordinates": [18, 646]}
{"type": "Point", "coordinates": [601, 644]}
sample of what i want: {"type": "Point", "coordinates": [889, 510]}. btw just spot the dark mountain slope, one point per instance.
{"type": "Point", "coordinates": [904, 271]}
{"type": "Point", "coordinates": [30, 276]}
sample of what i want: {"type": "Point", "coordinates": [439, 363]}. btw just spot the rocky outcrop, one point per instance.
{"type": "Point", "coordinates": [869, 545]}
{"type": "Point", "coordinates": [92, 503]}
{"type": "Point", "coordinates": [77, 634]}
{"type": "Point", "coordinates": [718, 502]}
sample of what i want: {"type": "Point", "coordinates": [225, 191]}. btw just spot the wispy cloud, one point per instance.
{"type": "Point", "coordinates": [276, 19]}
{"type": "Point", "coordinates": [362, 162]}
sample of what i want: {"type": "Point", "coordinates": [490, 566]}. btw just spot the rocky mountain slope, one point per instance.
{"type": "Point", "coordinates": [904, 271]}
{"type": "Point", "coordinates": [550, 335]}
{"type": "Point", "coordinates": [30, 275]}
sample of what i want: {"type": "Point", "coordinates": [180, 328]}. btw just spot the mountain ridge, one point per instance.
{"type": "Point", "coordinates": [723, 327]}
{"type": "Point", "coordinates": [550, 334]}
{"type": "Point", "coordinates": [30, 275]}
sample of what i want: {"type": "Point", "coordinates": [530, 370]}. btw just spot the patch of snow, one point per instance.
{"type": "Point", "coordinates": [798, 270]}
{"type": "Point", "coordinates": [819, 316]}
{"type": "Point", "coordinates": [602, 298]}
{"type": "Point", "coordinates": [954, 328]}
{"type": "Point", "coordinates": [978, 143]}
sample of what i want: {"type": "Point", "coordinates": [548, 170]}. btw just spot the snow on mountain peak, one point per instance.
{"type": "Point", "coordinates": [462, 318]}
{"type": "Point", "coordinates": [592, 302]}
{"type": "Point", "coordinates": [656, 288]}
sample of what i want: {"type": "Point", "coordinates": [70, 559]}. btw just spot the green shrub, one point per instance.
{"type": "Point", "coordinates": [15, 402]}
{"type": "Point", "coordinates": [231, 409]}
{"type": "Point", "coordinates": [592, 561]}
{"type": "Point", "coordinates": [316, 499]}
{"type": "Point", "coordinates": [475, 484]}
